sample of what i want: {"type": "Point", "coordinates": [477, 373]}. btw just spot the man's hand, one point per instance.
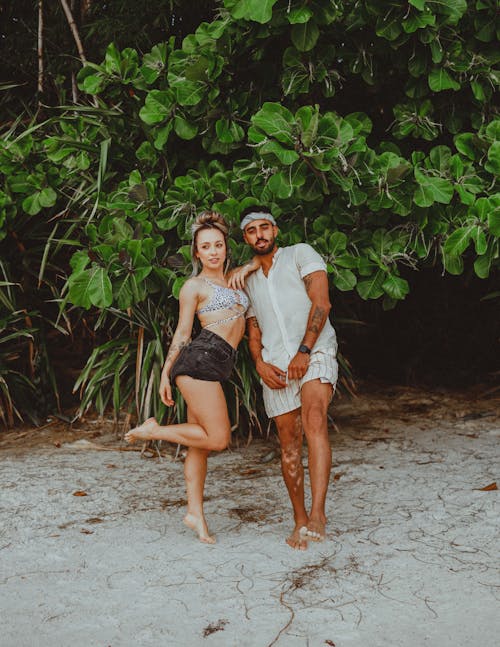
{"type": "Point", "coordinates": [271, 375]}
{"type": "Point", "coordinates": [298, 366]}
{"type": "Point", "coordinates": [166, 390]}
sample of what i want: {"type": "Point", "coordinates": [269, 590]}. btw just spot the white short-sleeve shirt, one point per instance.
{"type": "Point", "coordinates": [281, 304]}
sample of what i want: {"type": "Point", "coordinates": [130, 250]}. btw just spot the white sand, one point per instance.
{"type": "Point", "coordinates": [412, 557]}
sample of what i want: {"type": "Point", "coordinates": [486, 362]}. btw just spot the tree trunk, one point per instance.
{"type": "Point", "coordinates": [40, 52]}
{"type": "Point", "coordinates": [75, 95]}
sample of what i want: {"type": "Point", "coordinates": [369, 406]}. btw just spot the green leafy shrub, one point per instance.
{"type": "Point", "coordinates": [369, 128]}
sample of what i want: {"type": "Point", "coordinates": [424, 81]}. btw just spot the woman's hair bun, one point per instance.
{"type": "Point", "coordinates": [209, 219]}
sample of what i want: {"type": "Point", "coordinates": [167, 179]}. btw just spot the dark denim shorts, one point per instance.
{"type": "Point", "coordinates": [208, 357]}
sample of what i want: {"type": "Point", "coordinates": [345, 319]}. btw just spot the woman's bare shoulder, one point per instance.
{"type": "Point", "coordinates": [191, 289]}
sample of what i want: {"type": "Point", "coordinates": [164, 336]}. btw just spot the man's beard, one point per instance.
{"type": "Point", "coordinates": [262, 251]}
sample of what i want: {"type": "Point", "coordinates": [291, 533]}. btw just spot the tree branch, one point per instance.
{"type": "Point", "coordinates": [74, 31]}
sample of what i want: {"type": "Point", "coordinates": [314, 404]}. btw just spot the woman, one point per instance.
{"type": "Point", "coordinates": [197, 367]}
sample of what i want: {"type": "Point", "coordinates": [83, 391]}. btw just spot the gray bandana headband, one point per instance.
{"type": "Point", "coordinates": [256, 215]}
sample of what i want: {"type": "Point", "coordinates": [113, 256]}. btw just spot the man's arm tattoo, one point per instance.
{"type": "Point", "coordinates": [307, 282]}
{"type": "Point", "coordinates": [317, 320]}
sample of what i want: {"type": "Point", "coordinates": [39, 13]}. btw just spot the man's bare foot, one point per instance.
{"type": "Point", "coordinates": [316, 530]}
{"type": "Point", "coordinates": [199, 525]}
{"type": "Point", "coordinates": [142, 432]}
{"type": "Point", "coordinates": [298, 538]}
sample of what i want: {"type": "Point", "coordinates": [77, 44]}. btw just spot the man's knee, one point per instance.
{"type": "Point", "coordinates": [314, 418]}
{"type": "Point", "coordinates": [316, 398]}
{"type": "Point", "coordinates": [289, 428]}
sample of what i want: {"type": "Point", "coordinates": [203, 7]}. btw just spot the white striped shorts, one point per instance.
{"type": "Point", "coordinates": [322, 365]}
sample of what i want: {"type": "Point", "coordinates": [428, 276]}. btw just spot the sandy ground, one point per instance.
{"type": "Point", "coordinates": [93, 551]}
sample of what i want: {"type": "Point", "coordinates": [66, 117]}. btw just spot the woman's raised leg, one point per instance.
{"type": "Point", "coordinates": [207, 403]}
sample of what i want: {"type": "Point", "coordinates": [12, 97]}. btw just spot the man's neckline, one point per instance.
{"type": "Point", "coordinates": [275, 256]}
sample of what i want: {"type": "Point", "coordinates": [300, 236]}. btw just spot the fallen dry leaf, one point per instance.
{"type": "Point", "coordinates": [80, 493]}
{"type": "Point", "coordinates": [487, 488]}
{"type": "Point", "coordinates": [215, 626]}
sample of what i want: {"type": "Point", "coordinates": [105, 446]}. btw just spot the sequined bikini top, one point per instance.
{"type": "Point", "coordinates": [224, 298]}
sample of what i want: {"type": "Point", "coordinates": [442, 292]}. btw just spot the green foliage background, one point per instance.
{"type": "Point", "coordinates": [369, 127]}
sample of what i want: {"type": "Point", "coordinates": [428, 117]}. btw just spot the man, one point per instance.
{"type": "Point", "coordinates": [294, 348]}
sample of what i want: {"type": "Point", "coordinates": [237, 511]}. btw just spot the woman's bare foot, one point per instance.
{"type": "Point", "coordinates": [298, 538]}
{"type": "Point", "coordinates": [316, 530]}
{"type": "Point", "coordinates": [142, 432]}
{"type": "Point", "coordinates": [199, 525]}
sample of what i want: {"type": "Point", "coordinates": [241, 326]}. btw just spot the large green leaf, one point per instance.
{"type": "Point", "coordinates": [481, 209]}
{"type": "Point", "coordinates": [79, 292]}
{"type": "Point", "coordinates": [157, 107]}
{"type": "Point", "coordinates": [31, 205]}
{"type": "Point", "coordinates": [482, 264]}
{"type": "Point", "coordinates": [439, 79]}
{"type": "Point", "coordinates": [432, 189]}
{"type": "Point", "coordinates": [344, 279]}
{"type": "Point", "coordinates": [189, 93]}
{"type": "Point", "coordinates": [396, 287]}
{"type": "Point", "coordinates": [458, 241]}
{"type": "Point", "coordinates": [299, 15]}
{"type": "Point", "coordinates": [494, 222]}
{"type": "Point", "coordinates": [285, 155]}
{"type": "Point", "coordinates": [91, 287]}
{"type": "Point", "coordinates": [389, 27]}
{"type": "Point", "coordinates": [112, 59]}
{"type": "Point", "coordinates": [154, 63]}
{"type": "Point", "coordinates": [440, 157]}
{"type": "Point", "coordinates": [372, 288]}
{"type": "Point", "coordinates": [465, 143]}
{"type": "Point", "coordinates": [418, 21]}
{"type": "Point", "coordinates": [259, 10]}
{"type": "Point", "coordinates": [93, 83]}
{"type": "Point", "coordinates": [493, 164]}
{"type": "Point", "coordinates": [454, 9]}
{"type": "Point", "coordinates": [47, 197]}
{"type": "Point", "coordinates": [100, 290]}
{"type": "Point", "coordinates": [328, 130]}
{"type": "Point", "coordinates": [228, 131]}
{"type": "Point", "coordinates": [453, 264]}
{"type": "Point", "coordinates": [280, 185]}
{"type": "Point", "coordinates": [337, 243]}
{"type": "Point", "coordinates": [161, 135]}
{"type": "Point", "coordinates": [305, 35]}
{"type": "Point", "coordinates": [184, 128]}
{"type": "Point", "coordinates": [276, 121]}
{"type": "Point", "coordinates": [480, 241]}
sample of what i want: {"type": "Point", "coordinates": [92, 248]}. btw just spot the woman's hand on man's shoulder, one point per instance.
{"type": "Point", "coordinates": [236, 277]}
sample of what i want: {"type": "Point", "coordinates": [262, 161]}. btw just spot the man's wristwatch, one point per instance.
{"type": "Point", "coordinates": [304, 349]}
